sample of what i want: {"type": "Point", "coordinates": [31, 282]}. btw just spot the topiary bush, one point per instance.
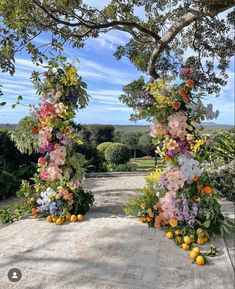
{"type": "Point", "coordinates": [103, 146]}
{"type": "Point", "coordinates": [117, 153]}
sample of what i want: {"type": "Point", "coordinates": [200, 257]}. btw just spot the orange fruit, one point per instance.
{"type": "Point", "coordinates": [187, 240]}
{"type": "Point", "coordinates": [200, 241]}
{"type": "Point", "coordinates": [54, 218]}
{"type": "Point", "coordinates": [80, 218]}
{"type": "Point", "coordinates": [49, 219]}
{"type": "Point", "coordinates": [200, 260]}
{"type": "Point", "coordinates": [59, 221]}
{"type": "Point", "coordinates": [193, 255]}
{"type": "Point", "coordinates": [197, 250]}
{"type": "Point", "coordinates": [169, 235]}
{"type": "Point", "coordinates": [185, 246]}
{"type": "Point", "coordinates": [177, 232]}
{"type": "Point", "coordinates": [73, 218]}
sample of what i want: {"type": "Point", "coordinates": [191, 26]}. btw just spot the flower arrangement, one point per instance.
{"type": "Point", "coordinates": [56, 188]}
{"type": "Point", "coordinates": [186, 201]}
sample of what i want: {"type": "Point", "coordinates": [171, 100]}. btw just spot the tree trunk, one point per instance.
{"type": "Point", "coordinates": [135, 155]}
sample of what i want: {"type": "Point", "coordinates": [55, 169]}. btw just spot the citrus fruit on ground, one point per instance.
{"type": "Point", "coordinates": [193, 255]}
{"type": "Point", "coordinates": [177, 232]}
{"type": "Point", "coordinates": [185, 246]}
{"type": "Point", "coordinates": [187, 240]}
{"type": "Point", "coordinates": [179, 240]}
{"type": "Point", "coordinates": [49, 219]}
{"type": "Point", "coordinates": [169, 235]}
{"type": "Point", "coordinates": [80, 218]}
{"type": "Point", "coordinates": [67, 216]}
{"type": "Point", "coordinates": [200, 241]}
{"type": "Point", "coordinates": [59, 221]}
{"type": "Point", "coordinates": [73, 218]}
{"type": "Point", "coordinates": [54, 219]}
{"type": "Point", "coordinates": [197, 250]}
{"type": "Point", "coordinates": [200, 260]}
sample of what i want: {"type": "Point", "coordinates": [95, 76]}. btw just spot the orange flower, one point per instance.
{"type": "Point", "coordinates": [34, 211]}
{"type": "Point", "coordinates": [195, 178]}
{"type": "Point", "coordinates": [176, 105]}
{"type": "Point", "coordinates": [167, 158]}
{"type": "Point", "coordinates": [182, 91]}
{"type": "Point", "coordinates": [208, 190]}
{"type": "Point", "coordinates": [143, 220]}
{"type": "Point", "coordinates": [150, 213]}
{"type": "Point", "coordinates": [165, 132]}
{"type": "Point", "coordinates": [173, 222]}
{"type": "Point", "coordinates": [148, 219]}
{"type": "Point", "coordinates": [34, 129]}
{"type": "Point", "coordinates": [196, 197]}
{"type": "Point", "coordinates": [200, 187]}
{"type": "Point", "coordinates": [190, 83]}
{"type": "Point", "coordinates": [36, 216]}
{"type": "Point", "coordinates": [186, 98]}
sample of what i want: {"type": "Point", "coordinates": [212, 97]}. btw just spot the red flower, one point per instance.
{"type": "Point", "coordinates": [186, 98]}
{"type": "Point", "coordinates": [34, 129]}
{"type": "Point", "coordinates": [190, 83]}
{"type": "Point", "coordinates": [176, 105]}
{"type": "Point", "coordinates": [182, 91]}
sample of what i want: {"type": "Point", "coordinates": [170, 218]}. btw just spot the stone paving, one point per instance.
{"type": "Point", "coordinates": [106, 251]}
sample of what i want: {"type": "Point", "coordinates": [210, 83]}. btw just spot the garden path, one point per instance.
{"type": "Point", "coordinates": [106, 251]}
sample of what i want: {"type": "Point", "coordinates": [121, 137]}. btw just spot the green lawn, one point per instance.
{"type": "Point", "coordinates": [146, 163]}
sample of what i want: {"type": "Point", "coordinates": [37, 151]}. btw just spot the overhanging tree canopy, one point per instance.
{"type": "Point", "coordinates": [157, 42]}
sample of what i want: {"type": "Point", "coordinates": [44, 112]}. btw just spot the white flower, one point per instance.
{"type": "Point", "coordinates": [189, 167]}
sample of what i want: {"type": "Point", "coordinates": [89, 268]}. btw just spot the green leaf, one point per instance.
{"type": "Point", "coordinates": [206, 224]}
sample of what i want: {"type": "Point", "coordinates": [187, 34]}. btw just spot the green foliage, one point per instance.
{"type": "Point", "coordinates": [13, 166]}
{"type": "Point", "coordinates": [92, 156]}
{"type": "Point", "coordinates": [103, 146]}
{"type": "Point", "coordinates": [224, 146]}
{"type": "Point", "coordinates": [138, 205]}
{"type": "Point", "coordinates": [82, 201]}
{"type": "Point", "coordinates": [26, 135]}
{"type": "Point", "coordinates": [223, 176]}
{"type": "Point", "coordinates": [109, 167]}
{"type": "Point", "coordinates": [9, 215]}
{"type": "Point", "coordinates": [146, 144]}
{"type": "Point", "coordinates": [117, 153]}
{"type": "Point", "coordinates": [100, 133]}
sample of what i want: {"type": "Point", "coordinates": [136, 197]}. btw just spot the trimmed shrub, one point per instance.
{"type": "Point", "coordinates": [117, 153]}
{"type": "Point", "coordinates": [103, 146]}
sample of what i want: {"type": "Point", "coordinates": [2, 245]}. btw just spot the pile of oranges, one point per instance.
{"type": "Point", "coordinates": [185, 242]}
{"type": "Point", "coordinates": [68, 217]}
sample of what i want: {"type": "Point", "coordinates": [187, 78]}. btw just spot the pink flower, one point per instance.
{"type": "Point", "coordinates": [43, 175]}
{"type": "Point", "coordinates": [47, 110]}
{"type": "Point", "coordinates": [177, 124]}
{"type": "Point", "coordinates": [156, 128]}
{"type": "Point", "coordinates": [171, 144]}
{"type": "Point", "coordinates": [44, 136]}
{"type": "Point", "coordinates": [58, 155]}
{"type": "Point", "coordinates": [175, 179]}
{"type": "Point", "coordinates": [53, 173]}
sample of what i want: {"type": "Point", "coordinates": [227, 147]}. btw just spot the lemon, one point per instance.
{"type": "Point", "coordinates": [177, 232]}
{"type": "Point", "coordinates": [67, 216]}
{"type": "Point", "coordinates": [200, 241]}
{"type": "Point", "coordinates": [197, 250]}
{"type": "Point", "coordinates": [187, 240]}
{"type": "Point", "coordinates": [54, 219]}
{"type": "Point", "coordinates": [80, 217]}
{"type": "Point", "coordinates": [193, 255]}
{"type": "Point", "coordinates": [49, 219]}
{"type": "Point", "coordinates": [169, 235]}
{"type": "Point", "coordinates": [59, 221]}
{"type": "Point", "coordinates": [185, 246]}
{"type": "Point", "coordinates": [73, 218]}
{"type": "Point", "coordinates": [200, 260]}
{"type": "Point", "coordinates": [179, 240]}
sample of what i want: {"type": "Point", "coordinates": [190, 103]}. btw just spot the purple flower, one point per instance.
{"type": "Point", "coordinates": [171, 153]}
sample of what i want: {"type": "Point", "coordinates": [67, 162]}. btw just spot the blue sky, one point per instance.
{"type": "Point", "coordinates": [105, 77]}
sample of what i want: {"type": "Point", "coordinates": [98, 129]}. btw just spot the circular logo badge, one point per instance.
{"type": "Point", "coordinates": [14, 275]}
